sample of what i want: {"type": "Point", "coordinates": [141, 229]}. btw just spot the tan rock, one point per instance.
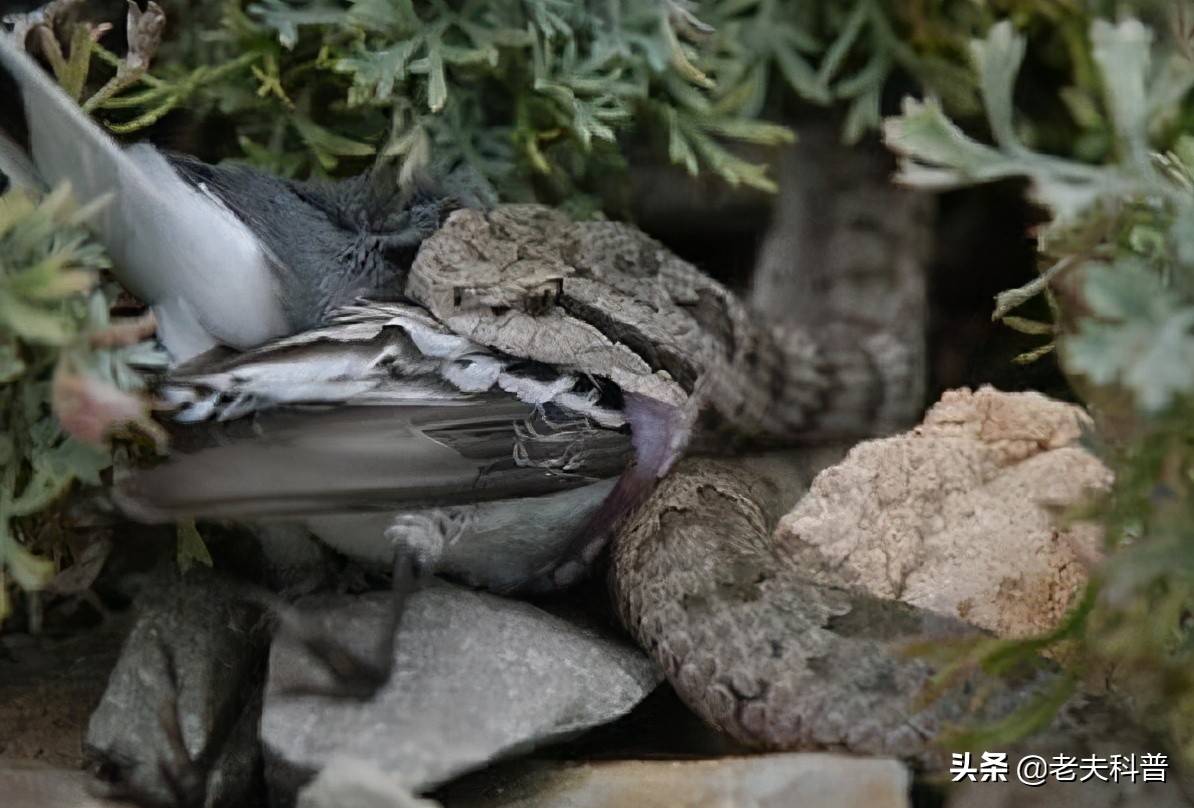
{"type": "Point", "coordinates": [959, 515]}
{"type": "Point", "coordinates": [806, 780]}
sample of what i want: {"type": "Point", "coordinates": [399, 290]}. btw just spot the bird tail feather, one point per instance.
{"type": "Point", "coordinates": [170, 245]}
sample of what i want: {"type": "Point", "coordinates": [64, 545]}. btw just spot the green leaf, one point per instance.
{"type": "Point", "coordinates": [191, 547]}
{"type": "Point", "coordinates": [863, 115]}
{"type": "Point", "coordinates": [12, 367]}
{"type": "Point", "coordinates": [836, 55]}
{"type": "Point", "coordinates": [1028, 357]}
{"type": "Point", "coordinates": [761, 132]}
{"type": "Point", "coordinates": [1011, 298]}
{"type": "Point", "coordinates": [1143, 338]}
{"type": "Point", "coordinates": [437, 82]}
{"type": "Point", "coordinates": [677, 56]}
{"type": "Point", "coordinates": [327, 145]}
{"type": "Point", "coordinates": [998, 59]}
{"type": "Point", "coordinates": [1122, 54]}
{"type": "Point", "coordinates": [679, 149]}
{"type": "Point", "coordinates": [801, 77]}
{"type": "Point", "coordinates": [286, 19]}
{"type": "Point", "coordinates": [1025, 326]}
{"type": "Point", "coordinates": [77, 460]}
{"type": "Point", "coordinates": [29, 571]}
{"type": "Point", "coordinates": [375, 73]}
{"type": "Point", "coordinates": [32, 323]}
{"type": "Point", "coordinates": [937, 153]}
{"type": "Point", "coordinates": [396, 18]}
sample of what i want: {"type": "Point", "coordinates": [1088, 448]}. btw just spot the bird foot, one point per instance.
{"type": "Point", "coordinates": [354, 676]}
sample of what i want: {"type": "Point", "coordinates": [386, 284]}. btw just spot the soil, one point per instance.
{"type": "Point", "coordinates": [48, 687]}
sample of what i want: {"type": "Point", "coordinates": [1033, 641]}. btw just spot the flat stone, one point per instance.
{"type": "Point", "coordinates": [807, 780]}
{"type": "Point", "coordinates": [476, 677]}
{"type": "Point", "coordinates": [217, 642]}
{"type": "Point", "coordinates": [32, 784]}
{"type": "Point", "coordinates": [1053, 794]}
{"type": "Point", "coordinates": [356, 783]}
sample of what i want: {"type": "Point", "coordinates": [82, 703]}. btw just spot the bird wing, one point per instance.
{"type": "Point", "coordinates": [385, 409]}
{"type": "Point", "coordinates": [196, 263]}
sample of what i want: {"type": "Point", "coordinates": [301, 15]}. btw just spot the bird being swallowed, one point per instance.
{"type": "Point", "coordinates": [333, 390]}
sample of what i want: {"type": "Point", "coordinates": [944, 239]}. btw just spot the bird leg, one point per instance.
{"type": "Point", "coordinates": [418, 540]}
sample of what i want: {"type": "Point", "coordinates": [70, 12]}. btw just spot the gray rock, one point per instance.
{"type": "Point", "coordinates": [217, 642]}
{"type": "Point", "coordinates": [476, 677]}
{"type": "Point", "coordinates": [237, 768]}
{"type": "Point", "coordinates": [766, 781]}
{"type": "Point", "coordinates": [1053, 794]}
{"type": "Point", "coordinates": [356, 783]}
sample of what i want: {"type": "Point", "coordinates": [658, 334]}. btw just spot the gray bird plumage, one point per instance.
{"type": "Point", "coordinates": [329, 243]}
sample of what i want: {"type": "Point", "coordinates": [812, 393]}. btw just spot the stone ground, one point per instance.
{"type": "Point", "coordinates": [48, 687]}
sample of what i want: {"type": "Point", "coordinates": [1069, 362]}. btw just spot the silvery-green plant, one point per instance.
{"type": "Point", "coordinates": [537, 95]}
{"type": "Point", "coordinates": [1117, 251]}
{"type": "Point", "coordinates": [67, 376]}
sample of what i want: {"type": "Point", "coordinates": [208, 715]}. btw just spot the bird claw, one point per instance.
{"type": "Point", "coordinates": [354, 676]}
{"type": "Point", "coordinates": [424, 536]}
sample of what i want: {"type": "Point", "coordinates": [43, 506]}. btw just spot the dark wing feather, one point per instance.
{"type": "Point", "coordinates": [384, 410]}
{"type": "Point", "coordinates": [289, 463]}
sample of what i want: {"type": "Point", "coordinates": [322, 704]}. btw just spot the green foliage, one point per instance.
{"type": "Point", "coordinates": [1124, 228]}
{"type": "Point", "coordinates": [537, 96]}
{"type": "Point", "coordinates": [521, 92]}
{"type": "Point", "coordinates": [1118, 253]}
{"type": "Point", "coordinates": [54, 350]}
{"type": "Point", "coordinates": [190, 547]}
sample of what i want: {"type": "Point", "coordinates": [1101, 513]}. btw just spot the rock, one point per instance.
{"type": "Point", "coordinates": [959, 514]}
{"type": "Point", "coordinates": [476, 677]}
{"type": "Point", "coordinates": [237, 768]}
{"type": "Point", "coordinates": [217, 643]}
{"type": "Point", "coordinates": [30, 784]}
{"type": "Point", "coordinates": [660, 726]}
{"type": "Point", "coordinates": [357, 783]}
{"type": "Point", "coordinates": [767, 781]}
{"type": "Point", "coordinates": [1091, 794]}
